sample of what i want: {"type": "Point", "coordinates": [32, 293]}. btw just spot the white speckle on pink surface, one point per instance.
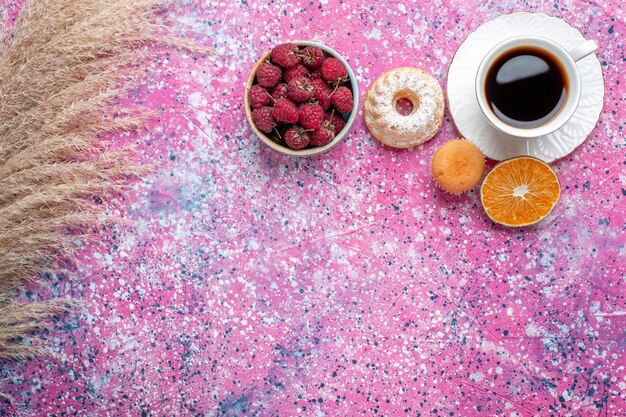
{"type": "Point", "coordinates": [375, 33]}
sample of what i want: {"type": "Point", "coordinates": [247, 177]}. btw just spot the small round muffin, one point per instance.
{"type": "Point", "coordinates": [458, 166]}
{"type": "Point", "coordinates": [404, 129]}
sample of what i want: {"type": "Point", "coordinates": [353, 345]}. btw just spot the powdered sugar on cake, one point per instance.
{"type": "Point", "coordinates": [391, 127]}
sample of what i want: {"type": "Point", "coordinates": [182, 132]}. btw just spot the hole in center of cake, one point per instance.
{"type": "Point", "coordinates": [404, 106]}
{"type": "Point", "coordinates": [405, 102]}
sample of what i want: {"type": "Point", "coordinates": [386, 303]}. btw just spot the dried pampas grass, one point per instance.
{"type": "Point", "coordinates": [63, 69]}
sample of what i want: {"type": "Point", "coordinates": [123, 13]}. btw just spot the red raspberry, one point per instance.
{"type": "Point", "coordinates": [268, 75]}
{"type": "Point", "coordinates": [316, 74]}
{"type": "Point", "coordinates": [286, 111]}
{"type": "Point", "coordinates": [311, 116]}
{"type": "Point", "coordinates": [336, 121]}
{"type": "Point", "coordinates": [333, 70]}
{"type": "Point", "coordinates": [312, 56]}
{"type": "Point", "coordinates": [299, 89]}
{"type": "Point", "coordinates": [296, 72]}
{"type": "Point", "coordinates": [263, 119]}
{"type": "Point", "coordinates": [285, 55]}
{"type": "Point", "coordinates": [279, 91]}
{"type": "Point", "coordinates": [297, 137]}
{"type": "Point", "coordinates": [322, 93]}
{"type": "Point", "coordinates": [258, 96]}
{"type": "Point", "coordinates": [342, 100]}
{"type": "Point", "coordinates": [324, 135]}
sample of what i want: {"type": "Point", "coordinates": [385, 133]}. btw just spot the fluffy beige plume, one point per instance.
{"type": "Point", "coordinates": [63, 69]}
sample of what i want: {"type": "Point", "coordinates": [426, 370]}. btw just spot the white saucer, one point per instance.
{"type": "Point", "coordinates": [475, 127]}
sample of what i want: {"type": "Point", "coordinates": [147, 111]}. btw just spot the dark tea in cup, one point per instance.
{"type": "Point", "coordinates": [530, 86]}
{"type": "Point", "coordinates": [526, 87]}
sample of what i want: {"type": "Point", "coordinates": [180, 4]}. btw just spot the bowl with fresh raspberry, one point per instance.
{"type": "Point", "coordinates": [301, 98]}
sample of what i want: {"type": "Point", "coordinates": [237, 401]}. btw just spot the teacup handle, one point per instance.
{"type": "Point", "coordinates": [583, 50]}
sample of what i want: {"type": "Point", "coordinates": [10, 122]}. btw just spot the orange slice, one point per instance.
{"type": "Point", "coordinates": [520, 191]}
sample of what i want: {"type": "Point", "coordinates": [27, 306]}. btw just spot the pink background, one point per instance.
{"type": "Point", "coordinates": [247, 283]}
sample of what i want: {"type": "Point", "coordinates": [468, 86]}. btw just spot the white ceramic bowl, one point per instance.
{"type": "Point", "coordinates": [308, 151]}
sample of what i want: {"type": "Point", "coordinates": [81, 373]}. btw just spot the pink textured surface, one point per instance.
{"type": "Point", "coordinates": [247, 283]}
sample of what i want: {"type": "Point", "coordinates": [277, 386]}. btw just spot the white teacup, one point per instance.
{"type": "Point", "coordinates": [567, 62]}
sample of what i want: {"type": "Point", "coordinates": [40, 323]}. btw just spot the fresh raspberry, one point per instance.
{"type": "Point", "coordinates": [311, 116]}
{"type": "Point", "coordinates": [299, 89]}
{"type": "Point", "coordinates": [333, 70]}
{"type": "Point", "coordinates": [268, 75]}
{"type": "Point", "coordinates": [296, 72]}
{"type": "Point", "coordinates": [322, 92]}
{"type": "Point", "coordinates": [263, 119]}
{"type": "Point", "coordinates": [279, 91]}
{"type": "Point", "coordinates": [315, 74]}
{"type": "Point", "coordinates": [258, 96]}
{"type": "Point", "coordinates": [286, 111]}
{"type": "Point", "coordinates": [324, 135]}
{"type": "Point", "coordinates": [285, 55]}
{"type": "Point", "coordinates": [336, 121]}
{"type": "Point", "coordinates": [312, 56]}
{"type": "Point", "coordinates": [297, 137]}
{"type": "Point", "coordinates": [342, 100]}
